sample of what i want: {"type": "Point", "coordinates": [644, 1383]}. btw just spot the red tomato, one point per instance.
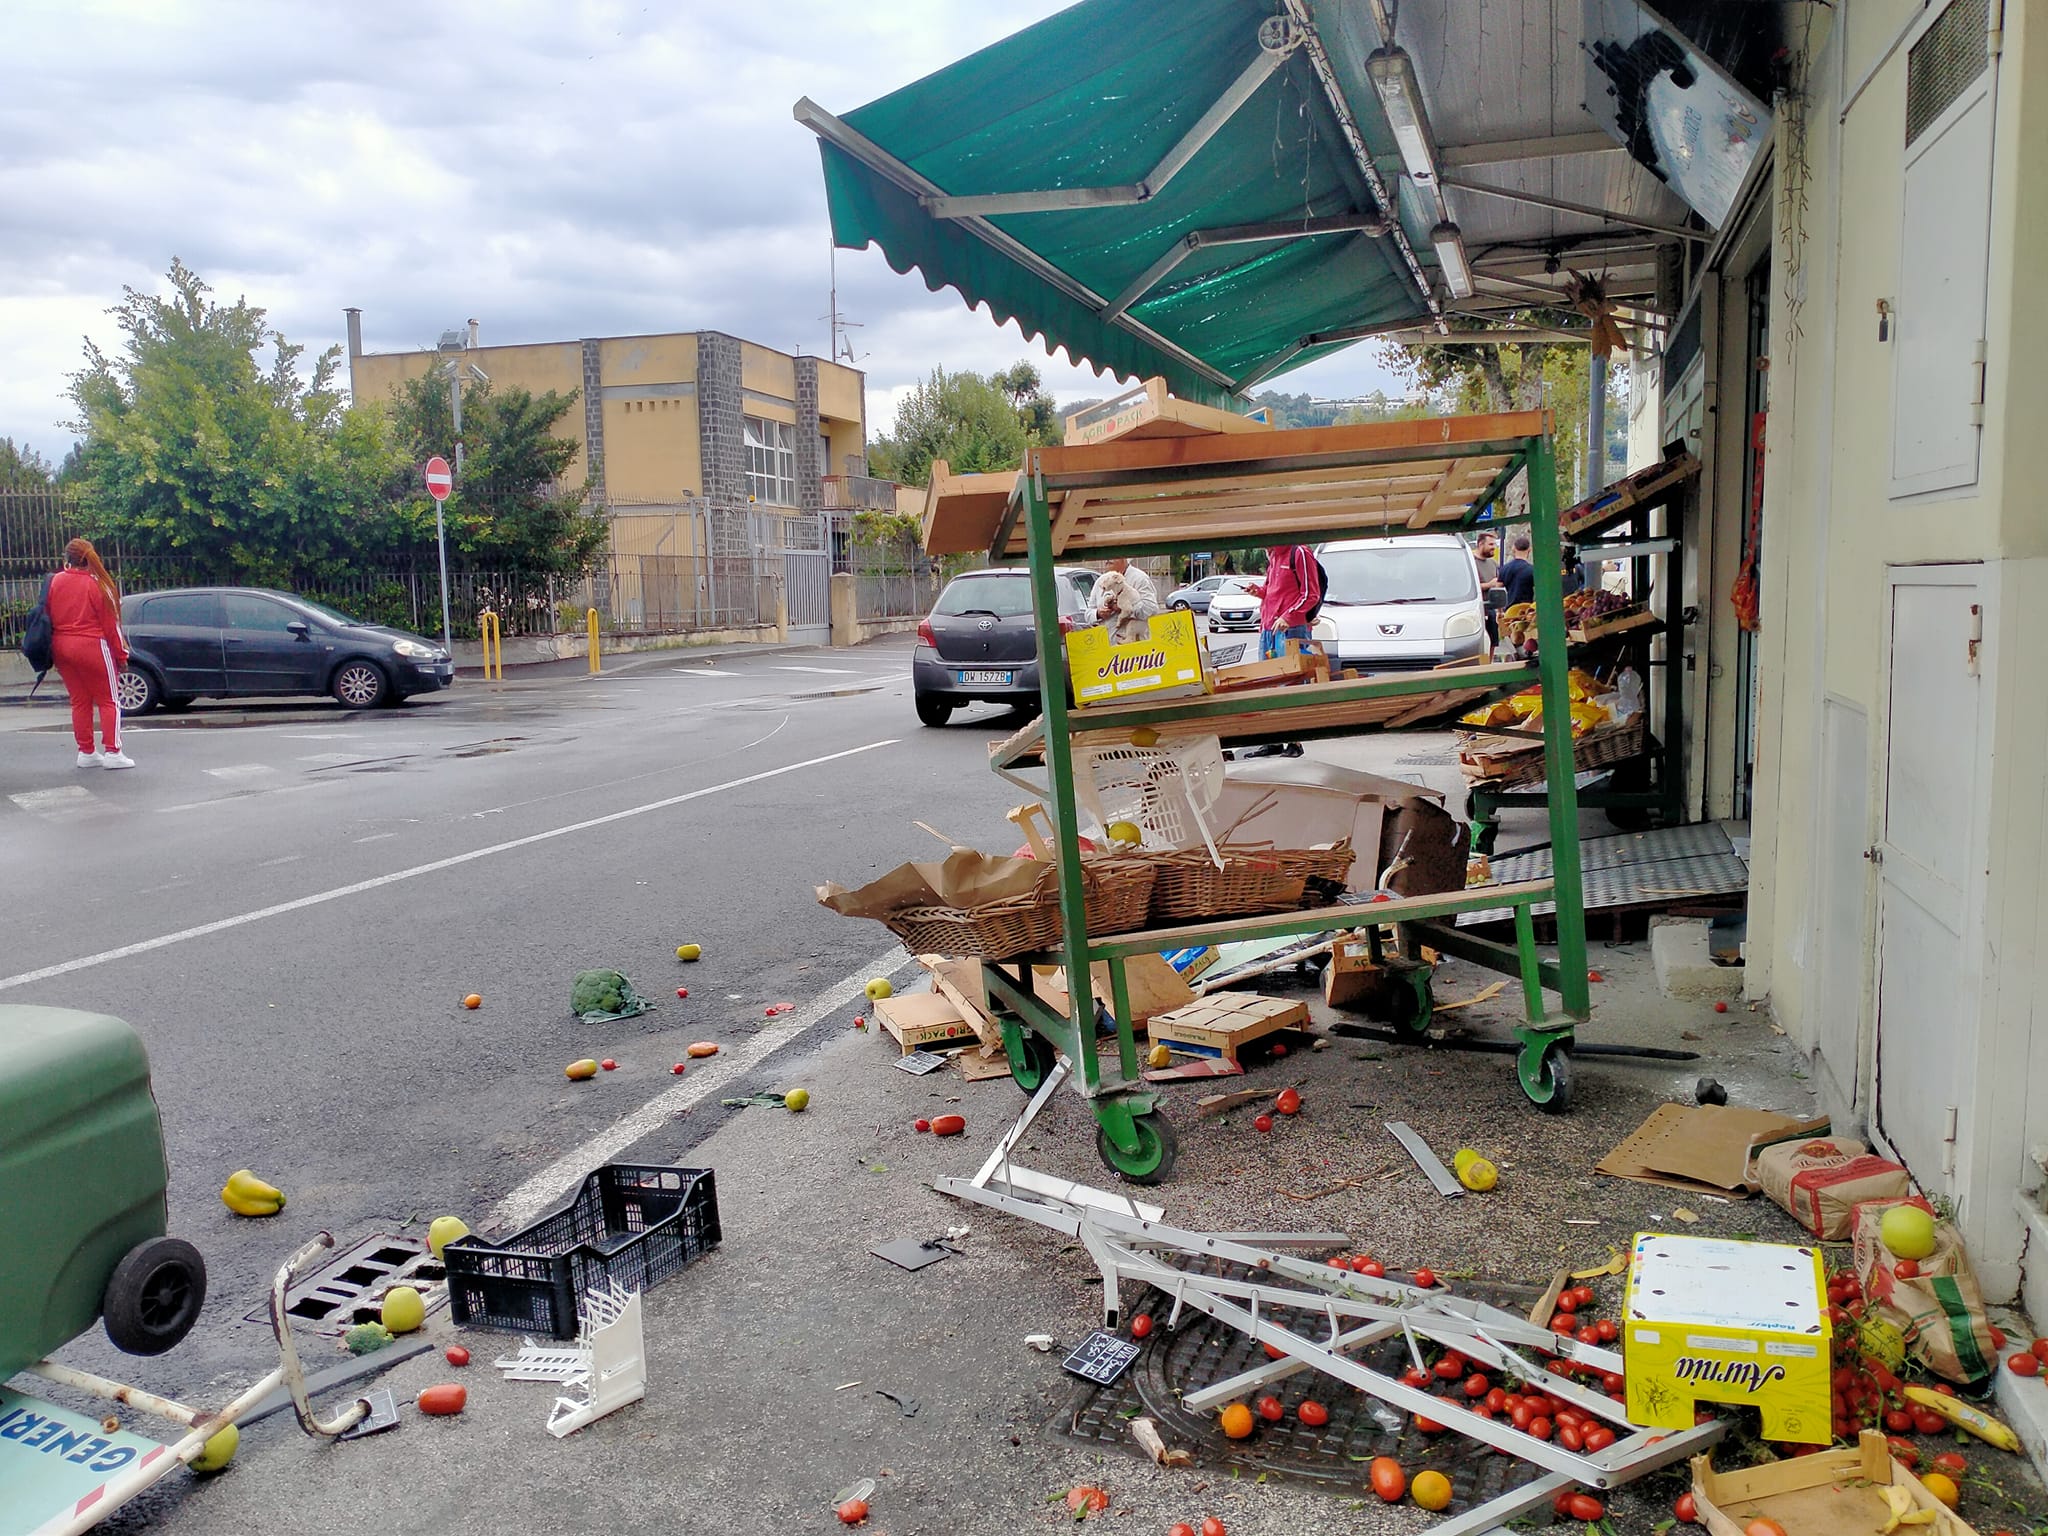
{"type": "Point", "coordinates": [1373, 1269]}
{"type": "Point", "coordinates": [1496, 1401]}
{"type": "Point", "coordinates": [1269, 1409]}
{"type": "Point", "coordinates": [443, 1399]}
{"type": "Point", "coordinates": [853, 1511]}
{"type": "Point", "coordinates": [1540, 1427]}
{"type": "Point", "coordinates": [1180, 1528]}
{"type": "Point", "coordinates": [1312, 1413]}
{"type": "Point", "coordinates": [1588, 1335]}
{"type": "Point", "coordinates": [1567, 1301]}
{"type": "Point", "coordinates": [1477, 1385]}
{"type": "Point", "coordinates": [1279, 1048]}
{"type": "Point", "coordinates": [1415, 1376]}
{"type": "Point", "coordinates": [1141, 1326]}
{"type": "Point", "coordinates": [1388, 1480]}
{"type": "Point", "coordinates": [1428, 1426]}
{"type": "Point", "coordinates": [2024, 1365]}
{"type": "Point", "coordinates": [1687, 1509]}
{"type": "Point", "coordinates": [1928, 1422]}
{"type": "Point", "coordinates": [1085, 1501]}
{"type": "Point", "coordinates": [1272, 1353]}
{"type": "Point", "coordinates": [1898, 1421]}
{"type": "Point", "coordinates": [1565, 1323]}
{"type": "Point", "coordinates": [1951, 1463]}
{"type": "Point", "coordinates": [1263, 1123]}
{"type": "Point", "coordinates": [1425, 1278]}
{"type": "Point", "coordinates": [1569, 1437]}
{"type": "Point", "coordinates": [1360, 1260]}
{"type": "Point", "coordinates": [609, 1065]}
{"type": "Point", "coordinates": [2039, 1349]}
{"type": "Point", "coordinates": [1763, 1528]}
{"type": "Point", "coordinates": [1288, 1103]}
{"type": "Point", "coordinates": [1907, 1269]}
{"type": "Point", "coordinates": [1338, 1262]}
{"type": "Point", "coordinates": [457, 1355]}
{"type": "Point", "coordinates": [1520, 1415]}
{"type": "Point", "coordinates": [1450, 1368]}
{"type": "Point", "coordinates": [1613, 1381]}
{"type": "Point", "coordinates": [1598, 1438]}
{"type": "Point", "coordinates": [1905, 1452]}
{"type": "Point", "coordinates": [1211, 1526]}
{"type": "Point", "coordinates": [1583, 1506]}
{"type": "Point", "coordinates": [1584, 1294]}
{"type": "Point", "coordinates": [1997, 1336]}
{"type": "Point", "coordinates": [948, 1125]}
{"type": "Point", "coordinates": [1609, 1329]}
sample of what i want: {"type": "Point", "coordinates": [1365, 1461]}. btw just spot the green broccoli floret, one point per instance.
{"type": "Point", "coordinates": [366, 1338]}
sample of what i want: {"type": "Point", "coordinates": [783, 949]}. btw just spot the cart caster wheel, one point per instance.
{"type": "Point", "coordinates": [1154, 1159]}
{"type": "Point", "coordinates": [1483, 836]}
{"type": "Point", "coordinates": [1412, 1004]}
{"type": "Point", "coordinates": [1546, 1073]}
{"type": "Point", "coordinates": [154, 1296]}
{"type": "Point", "coordinates": [1032, 1058]}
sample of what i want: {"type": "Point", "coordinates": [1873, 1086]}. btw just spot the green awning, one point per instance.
{"type": "Point", "coordinates": [1284, 253]}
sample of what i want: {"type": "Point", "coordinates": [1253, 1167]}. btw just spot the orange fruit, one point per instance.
{"type": "Point", "coordinates": [472, 1001]}
{"type": "Point", "coordinates": [1431, 1490]}
{"type": "Point", "coordinates": [1942, 1486]}
{"type": "Point", "coordinates": [1235, 1421]}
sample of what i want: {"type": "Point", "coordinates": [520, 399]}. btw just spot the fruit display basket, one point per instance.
{"type": "Point", "coordinates": [629, 1225]}
{"type": "Point", "coordinates": [1119, 891]}
{"type": "Point", "coordinates": [1502, 762]}
{"type": "Point", "coordinates": [1250, 880]}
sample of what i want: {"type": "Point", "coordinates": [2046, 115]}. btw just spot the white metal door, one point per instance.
{"type": "Point", "coordinates": [1927, 858]}
{"type": "Point", "coordinates": [1843, 898]}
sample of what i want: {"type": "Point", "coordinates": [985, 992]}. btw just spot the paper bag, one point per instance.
{"type": "Point", "coordinates": [1820, 1182]}
{"type": "Point", "coordinates": [964, 878]}
{"type": "Point", "coordinates": [1940, 1311]}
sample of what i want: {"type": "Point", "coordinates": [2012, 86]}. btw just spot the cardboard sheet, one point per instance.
{"type": "Point", "coordinates": [1154, 986]}
{"type": "Point", "coordinates": [1702, 1150]}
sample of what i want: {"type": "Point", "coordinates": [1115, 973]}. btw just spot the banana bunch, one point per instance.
{"type": "Point", "coordinates": [247, 1195]}
{"type": "Point", "coordinates": [1903, 1512]}
{"type": "Point", "coordinates": [1964, 1417]}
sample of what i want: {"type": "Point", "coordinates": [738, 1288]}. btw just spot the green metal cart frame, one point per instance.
{"type": "Point", "coordinates": [1133, 1136]}
{"type": "Point", "coordinates": [1661, 799]}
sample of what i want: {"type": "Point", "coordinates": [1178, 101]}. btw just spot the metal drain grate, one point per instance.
{"type": "Point", "coordinates": [345, 1290]}
{"type": "Point", "coordinates": [1203, 1350]}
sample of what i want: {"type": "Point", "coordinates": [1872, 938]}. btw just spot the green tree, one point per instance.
{"type": "Point", "coordinates": [509, 509]}
{"type": "Point", "coordinates": [197, 447]}
{"type": "Point", "coordinates": [1034, 404]}
{"type": "Point", "coordinates": [22, 468]}
{"type": "Point", "coordinates": [962, 418]}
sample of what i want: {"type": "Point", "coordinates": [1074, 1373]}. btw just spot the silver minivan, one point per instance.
{"type": "Point", "coordinates": [1403, 604]}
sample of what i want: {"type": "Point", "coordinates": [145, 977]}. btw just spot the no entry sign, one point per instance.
{"type": "Point", "coordinates": [440, 481]}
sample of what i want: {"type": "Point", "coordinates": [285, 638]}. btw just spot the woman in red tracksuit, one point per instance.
{"type": "Point", "coordinates": [85, 624]}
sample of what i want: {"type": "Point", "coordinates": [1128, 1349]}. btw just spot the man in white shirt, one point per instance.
{"type": "Point", "coordinates": [1125, 598]}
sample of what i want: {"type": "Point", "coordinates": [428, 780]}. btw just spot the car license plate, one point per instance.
{"type": "Point", "coordinates": [986, 677]}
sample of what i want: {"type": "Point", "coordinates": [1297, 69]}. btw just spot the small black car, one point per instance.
{"type": "Point", "coordinates": [244, 642]}
{"type": "Point", "coordinates": [977, 644]}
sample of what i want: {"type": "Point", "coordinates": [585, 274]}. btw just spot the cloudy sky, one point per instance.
{"type": "Point", "coordinates": [556, 170]}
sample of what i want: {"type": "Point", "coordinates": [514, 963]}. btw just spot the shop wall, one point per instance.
{"type": "Point", "coordinates": [650, 445]}
{"type": "Point", "coordinates": [1833, 529]}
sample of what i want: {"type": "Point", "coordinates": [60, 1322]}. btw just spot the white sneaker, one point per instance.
{"type": "Point", "coordinates": [116, 760]}
{"type": "Point", "coordinates": [88, 760]}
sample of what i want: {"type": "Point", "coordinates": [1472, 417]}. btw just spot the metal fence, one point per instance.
{"type": "Point", "coordinates": [891, 581]}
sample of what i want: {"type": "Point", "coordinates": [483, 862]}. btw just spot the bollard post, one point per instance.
{"type": "Point", "coordinates": [492, 634]}
{"type": "Point", "coordinates": [590, 624]}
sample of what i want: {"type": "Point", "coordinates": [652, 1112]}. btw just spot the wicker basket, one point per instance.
{"type": "Point", "coordinates": [1485, 763]}
{"type": "Point", "coordinates": [1118, 892]}
{"type": "Point", "coordinates": [1251, 880]}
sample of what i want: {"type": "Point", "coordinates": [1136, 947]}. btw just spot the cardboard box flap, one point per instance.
{"type": "Point", "coordinates": [1307, 773]}
{"type": "Point", "coordinates": [1704, 1148]}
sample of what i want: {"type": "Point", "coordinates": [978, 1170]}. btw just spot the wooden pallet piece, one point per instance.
{"type": "Point", "coordinates": [959, 981]}
{"type": "Point", "coordinates": [1224, 1023]}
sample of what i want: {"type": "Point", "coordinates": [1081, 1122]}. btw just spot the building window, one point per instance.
{"type": "Point", "coordinates": [771, 462]}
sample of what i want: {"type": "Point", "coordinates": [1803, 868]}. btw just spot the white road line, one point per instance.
{"type": "Point", "coordinates": [696, 672]}
{"type": "Point", "coordinates": [319, 898]}
{"type": "Point", "coordinates": [553, 1181]}
{"type": "Point", "coordinates": [244, 797]}
{"type": "Point", "coordinates": [376, 837]}
{"type": "Point", "coordinates": [828, 671]}
{"type": "Point", "coordinates": [242, 771]}
{"type": "Point", "coordinates": [72, 797]}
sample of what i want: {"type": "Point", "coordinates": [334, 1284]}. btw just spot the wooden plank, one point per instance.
{"type": "Point", "coordinates": [1251, 454]}
{"type": "Point", "coordinates": [962, 512]}
{"type": "Point", "coordinates": [1066, 518]}
{"type": "Point", "coordinates": [1454, 475]}
{"type": "Point", "coordinates": [1155, 413]}
{"type": "Point", "coordinates": [959, 981]}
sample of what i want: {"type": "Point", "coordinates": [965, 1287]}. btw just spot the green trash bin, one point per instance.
{"type": "Point", "coordinates": [83, 1215]}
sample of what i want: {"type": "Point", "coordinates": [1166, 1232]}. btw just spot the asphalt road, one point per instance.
{"type": "Point", "coordinates": [289, 902]}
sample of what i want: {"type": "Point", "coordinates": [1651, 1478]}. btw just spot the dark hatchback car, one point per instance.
{"type": "Point", "coordinates": [243, 642]}
{"type": "Point", "coordinates": [977, 644]}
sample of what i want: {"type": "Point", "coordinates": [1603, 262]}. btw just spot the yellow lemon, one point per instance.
{"type": "Point", "coordinates": [1430, 1490]}
{"type": "Point", "coordinates": [1474, 1171]}
{"type": "Point", "coordinates": [797, 1100]}
{"type": "Point", "coordinates": [689, 951]}
{"type": "Point", "coordinates": [1158, 1056]}
{"type": "Point", "coordinates": [1942, 1486]}
{"type": "Point", "coordinates": [1126, 832]}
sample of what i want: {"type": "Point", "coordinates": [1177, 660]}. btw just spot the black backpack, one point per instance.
{"type": "Point", "coordinates": [1322, 589]}
{"type": "Point", "coordinates": [38, 641]}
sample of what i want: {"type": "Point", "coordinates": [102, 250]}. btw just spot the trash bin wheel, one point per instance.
{"type": "Point", "coordinates": [1157, 1149]}
{"type": "Point", "coordinates": [154, 1296]}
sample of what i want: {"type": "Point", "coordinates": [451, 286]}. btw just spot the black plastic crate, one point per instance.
{"type": "Point", "coordinates": [631, 1225]}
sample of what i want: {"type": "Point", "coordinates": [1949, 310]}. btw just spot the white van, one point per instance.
{"type": "Point", "coordinates": [1404, 604]}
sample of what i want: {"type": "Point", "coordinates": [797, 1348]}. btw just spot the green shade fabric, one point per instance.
{"type": "Point", "coordinates": [1094, 97]}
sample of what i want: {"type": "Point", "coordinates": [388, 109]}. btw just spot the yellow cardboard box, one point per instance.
{"type": "Point", "coordinates": [1169, 657]}
{"type": "Point", "coordinates": [1717, 1320]}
